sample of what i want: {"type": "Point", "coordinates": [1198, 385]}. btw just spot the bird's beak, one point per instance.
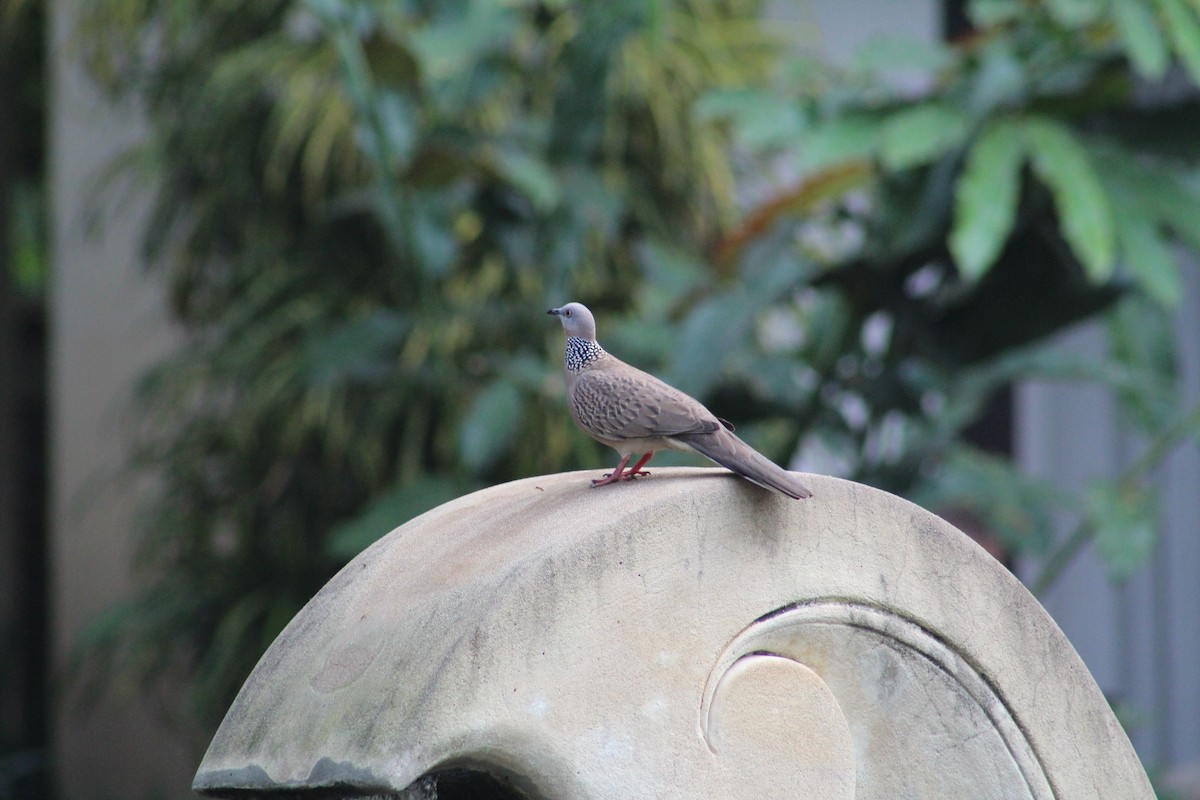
{"type": "Point", "coordinates": [555, 311]}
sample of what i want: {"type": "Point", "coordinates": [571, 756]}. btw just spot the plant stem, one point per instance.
{"type": "Point", "coordinates": [1160, 447]}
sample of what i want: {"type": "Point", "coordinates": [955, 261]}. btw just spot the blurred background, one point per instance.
{"type": "Point", "coordinates": [273, 280]}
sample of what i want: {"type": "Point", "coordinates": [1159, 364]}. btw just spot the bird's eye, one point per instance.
{"type": "Point", "coordinates": [567, 313]}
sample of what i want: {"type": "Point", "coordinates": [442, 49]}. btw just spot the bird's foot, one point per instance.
{"type": "Point", "coordinates": [612, 477]}
{"type": "Point", "coordinates": [622, 474]}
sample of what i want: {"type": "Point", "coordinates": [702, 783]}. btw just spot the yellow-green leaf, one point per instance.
{"type": "Point", "coordinates": [985, 200]}
{"type": "Point", "coordinates": [1084, 213]}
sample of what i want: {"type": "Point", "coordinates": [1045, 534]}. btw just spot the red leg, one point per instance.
{"type": "Point", "coordinates": [637, 468]}
{"type": "Point", "coordinates": [613, 476]}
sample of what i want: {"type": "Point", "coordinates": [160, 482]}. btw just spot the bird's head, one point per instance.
{"type": "Point", "coordinates": [576, 320]}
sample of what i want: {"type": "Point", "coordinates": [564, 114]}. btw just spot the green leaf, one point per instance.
{"type": "Point", "coordinates": [491, 425]}
{"type": "Point", "coordinates": [1074, 13]}
{"type": "Point", "coordinates": [433, 238]}
{"type": "Point", "coordinates": [985, 201]}
{"type": "Point", "coordinates": [530, 176]}
{"type": "Point", "coordinates": [985, 13]}
{"type": "Point", "coordinates": [760, 119]}
{"type": "Point", "coordinates": [1147, 256]}
{"type": "Point", "coordinates": [1152, 190]}
{"type": "Point", "coordinates": [359, 349]}
{"type": "Point", "coordinates": [886, 55]}
{"type": "Point", "coordinates": [397, 123]}
{"type": "Point", "coordinates": [671, 274]}
{"type": "Point", "coordinates": [728, 104]}
{"type": "Point", "coordinates": [771, 268]}
{"type": "Point", "coordinates": [1085, 215]}
{"type": "Point", "coordinates": [1126, 526]}
{"type": "Point", "coordinates": [1143, 39]}
{"type": "Point", "coordinates": [999, 83]}
{"type": "Point", "coordinates": [716, 327]}
{"type": "Point", "coordinates": [389, 511]}
{"type": "Point", "coordinates": [456, 40]}
{"type": "Point", "coordinates": [1184, 29]}
{"type": "Point", "coordinates": [234, 633]}
{"type": "Point", "coordinates": [921, 134]}
{"type": "Point", "coordinates": [1174, 202]}
{"type": "Point", "coordinates": [109, 625]}
{"type": "Point", "coordinates": [1142, 341]}
{"type": "Point", "coordinates": [1013, 507]}
{"type": "Point", "coordinates": [842, 139]}
{"type": "Point", "coordinates": [1052, 363]}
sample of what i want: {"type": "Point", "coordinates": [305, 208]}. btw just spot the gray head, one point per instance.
{"type": "Point", "coordinates": [576, 320]}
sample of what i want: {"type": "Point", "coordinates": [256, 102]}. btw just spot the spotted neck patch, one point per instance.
{"type": "Point", "coordinates": [580, 353]}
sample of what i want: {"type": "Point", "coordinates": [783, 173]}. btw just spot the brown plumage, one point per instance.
{"type": "Point", "coordinates": [634, 412]}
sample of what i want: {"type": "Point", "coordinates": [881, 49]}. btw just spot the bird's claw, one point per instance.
{"type": "Point", "coordinates": [624, 476]}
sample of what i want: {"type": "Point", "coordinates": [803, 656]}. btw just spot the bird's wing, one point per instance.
{"type": "Point", "coordinates": [622, 402]}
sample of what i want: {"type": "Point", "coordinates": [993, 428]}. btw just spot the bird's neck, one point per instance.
{"type": "Point", "coordinates": [580, 353]}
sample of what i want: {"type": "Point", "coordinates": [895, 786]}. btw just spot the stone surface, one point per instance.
{"type": "Point", "coordinates": [688, 634]}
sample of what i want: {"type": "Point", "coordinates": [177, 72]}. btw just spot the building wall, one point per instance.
{"type": "Point", "coordinates": [106, 326]}
{"type": "Point", "coordinates": [1139, 639]}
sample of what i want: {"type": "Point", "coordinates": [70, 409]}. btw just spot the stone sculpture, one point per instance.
{"type": "Point", "coordinates": [683, 637]}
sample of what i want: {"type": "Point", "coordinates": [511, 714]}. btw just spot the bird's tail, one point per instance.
{"type": "Point", "coordinates": [730, 452]}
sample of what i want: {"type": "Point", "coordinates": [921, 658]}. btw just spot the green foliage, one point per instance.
{"type": "Point", "coordinates": [1041, 176]}
{"type": "Point", "coordinates": [363, 211]}
{"type": "Point", "coordinates": [365, 208]}
{"type": "Point", "coordinates": [1084, 211]}
{"type": "Point", "coordinates": [986, 199]}
{"type": "Point", "coordinates": [23, 218]}
{"type": "Point", "coordinates": [1126, 527]}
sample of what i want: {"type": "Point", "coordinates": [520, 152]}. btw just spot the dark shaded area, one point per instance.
{"type": "Point", "coordinates": [463, 784]}
{"type": "Point", "coordinates": [993, 431]}
{"type": "Point", "coordinates": [955, 24]}
{"type": "Point", "coordinates": [450, 784]}
{"type": "Point", "coordinates": [23, 571]}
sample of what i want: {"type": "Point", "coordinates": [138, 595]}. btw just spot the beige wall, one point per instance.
{"type": "Point", "coordinates": [106, 325]}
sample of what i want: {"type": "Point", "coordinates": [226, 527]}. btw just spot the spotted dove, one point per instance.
{"type": "Point", "coordinates": [635, 413]}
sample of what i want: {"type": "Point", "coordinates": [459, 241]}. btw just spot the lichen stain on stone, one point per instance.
{"type": "Point", "coordinates": [889, 673]}
{"type": "Point", "coordinates": [327, 772]}
{"type": "Point", "coordinates": [251, 776]}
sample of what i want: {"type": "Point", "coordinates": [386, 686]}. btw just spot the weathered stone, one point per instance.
{"type": "Point", "coordinates": [685, 635]}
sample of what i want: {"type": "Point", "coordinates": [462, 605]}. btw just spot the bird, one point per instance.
{"type": "Point", "coordinates": [634, 412]}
